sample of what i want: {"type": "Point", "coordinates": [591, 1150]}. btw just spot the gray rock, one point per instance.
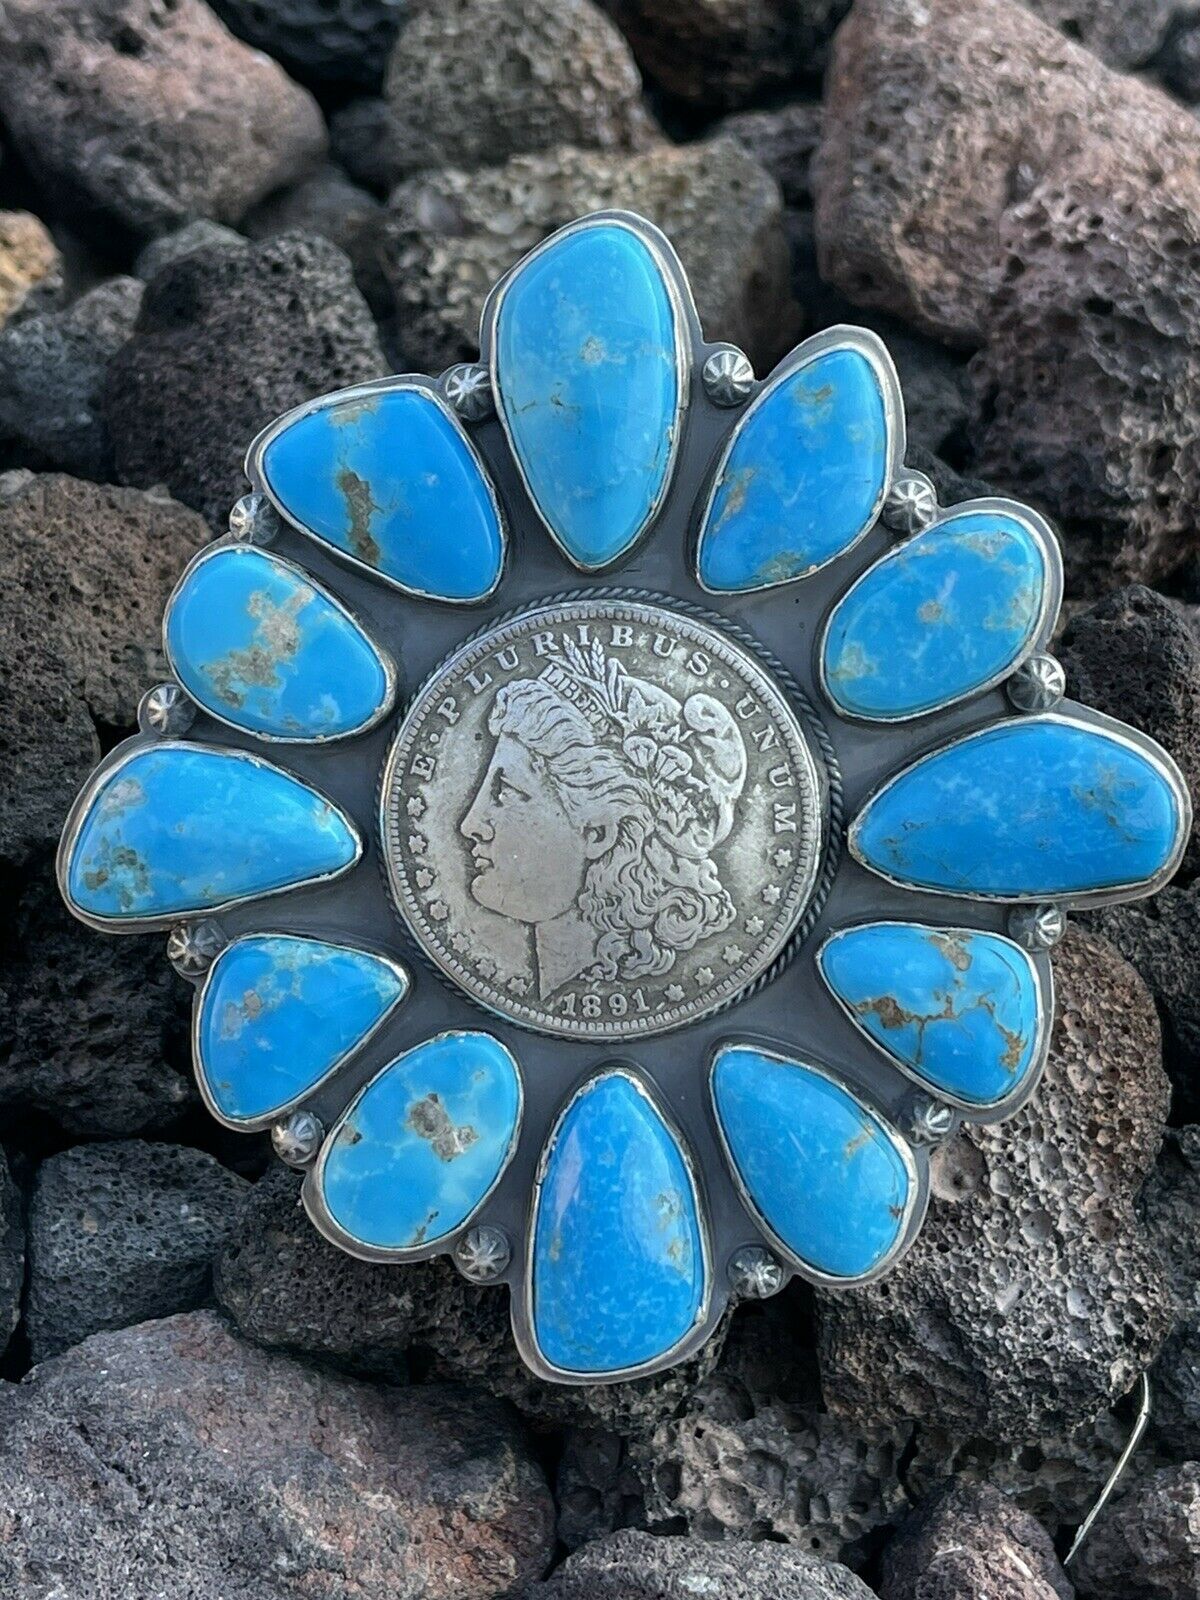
{"type": "Point", "coordinates": [329, 205]}
{"type": "Point", "coordinates": [12, 1252]}
{"type": "Point", "coordinates": [1033, 1296]}
{"type": "Point", "coordinates": [319, 41]}
{"type": "Point", "coordinates": [784, 141]}
{"type": "Point", "coordinates": [173, 1458]}
{"type": "Point", "coordinates": [52, 369]}
{"type": "Point", "coordinates": [140, 115]}
{"type": "Point", "coordinates": [121, 1233]}
{"type": "Point", "coordinates": [941, 116]}
{"type": "Point", "coordinates": [93, 1029]}
{"type": "Point", "coordinates": [972, 1540]}
{"type": "Point", "coordinates": [639, 1566]}
{"type": "Point", "coordinates": [722, 54]}
{"type": "Point", "coordinates": [1178, 62]}
{"type": "Point", "coordinates": [1124, 33]}
{"type": "Point", "coordinates": [85, 571]}
{"type": "Point", "coordinates": [1147, 1545]}
{"type": "Point", "coordinates": [229, 337]}
{"type": "Point", "coordinates": [185, 241]}
{"type": "Point", "coordinates": [472, 82]}
{"type": "Point", "coordinates": [360, 141]}
{"type": "Point", "coordinates": [1171, 1206]}
{"type": "Point", "coordinates": [287, 1287]}
{"type": "Point", "coordinates": [597, 1488]}
{"type": "Point", "coordinates": [30, 264]}
{"type": "Point", "coordinates": [447, 237]}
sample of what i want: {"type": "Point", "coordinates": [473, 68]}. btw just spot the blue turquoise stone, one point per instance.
{"type": "Point", "coordinates": [587, 378]}
{"type": "Point", "coordinates": [423, 1144]}
{"type": "Point", "coordinates": [389, 478]}
{"type": "Point", "coordinates": [177, 828]}
{"type": "Point", "coordinates": [278, 1013]}
{"type": "Point", "coordinates": [960, 1009]}
{"type": "Point", "coordinates": [1024, 810]}
{"type": "Point", "coordinates": [804, 478]}
{"type": "Point", "coordinates": [256, 642]}
{"type": "Point", "coordinates": [941, 616]}
{"type": "Point", "coordinates": [828, 1177]}
{"type": "Point", "coordinates": [617, 1258]}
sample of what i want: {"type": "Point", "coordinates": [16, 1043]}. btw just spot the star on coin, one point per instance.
{"type": "Point", "coordinates": [704, 976]}
{"type": "Point", "coordinates": [674, 993]}
{"type": "Point", "coordinates": [755, 925]}
{"type": "Point", "coordinates": [486, 967]}
{"type": "Point", "coordinates": [518, 985]}
{"type": "Point", "coordinates": [781, 858]}
{"type": "Point", "coordinates": [415, 806]}
{"type": "Point", "coordinates": [771, 894]}
{"type": "Point", "coordinates": [439, 910]}
{"type": "Point", "coordinates": [460, 942]}
{"type": "Point", "coordinates": [418, 843]}
{"type": "Point", "coordinates": [424, 878]}
{"type": "Point", "coordinates": [731, 954]}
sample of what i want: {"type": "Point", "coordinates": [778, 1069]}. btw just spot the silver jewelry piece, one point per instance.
{"type": "Point", "coordinates": [254, 520]}
{"type": "Point", "coordinates": [482, 1254]}
{"type": "Point", "coordinates": [728, 376]}
{"type": "Point", "coordinates": [297, 1138]}
{"type": "Point", "coordinates": [755, 1274]}
{"type": "Point", "coordinates": [930, 1122]}
{"type": "Point", "coordinates": [911, 504]}
{"type": "Point", "coordinates": [166, 710]}
{"type": "Point", "coordinates": [1037, 927]}
{"type": "Point", "coordinates": [1038, 684]}
{"type": "Point", "coordinates": [468, 388]}
{"type": "Point", "coordinates": [192, 947]}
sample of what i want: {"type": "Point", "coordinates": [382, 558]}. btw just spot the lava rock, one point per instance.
{"type": "Point", "coordinates": [597, 1489]}
{"type": "Point", "coordinates": [1124, 33]}
{"type": "Point", "coordinates": [1178, 62]}
{"type": "Point", "coordinates": [52, 370]}
{"type": "Point", "coordinates": [12, 1253]}
{"type": "Point", "coordinates": [85, 571]}
{"type": "Point", "coordinates": [1171, 1207]}
{"type": "Point", "coordinates": [319, 41]}
{"type": "Point", "coordinates": [229, 337]}
{"type": "Point", "coordinates": [1135, 656]}
{"type": "Point", "coordinates": [1147, 1545]}
{"type": "Point", "coordinates": [328, 205]}
{"type": "Point", "coordinates": [140, 115]}
{"type": "Point", "coordinates": [30, 265]}
{"type": "Point", "coordinates": [472, 82]}
{"type": "Point", "coordinates": [722, 54]}
{"type": "Point", "coordinates": [287, 1287]}
{"type": "Point", "coordinates": [939, 117]}
{"type": "Point", "coordinates": [360, 142]}
{"type": "Point", "coordinates": [784, 141]}
{"type": "Point", "coordinates": [1087, 389]}
{"type": "Point", "coordinates": [639, 1566]}
{"type": "Point", "coordinates": [121, 1233]}
{"type": "Point", "coordinates": [175, 1453]}
{"type": "Point", "coordinates": [93, 1029]}
{"type": "Point", "coordinates": [448, 236]}
{"type": "Point", "coordinates": [185, 241]}
{"type": "Point", "coordinates": [972, 1541]}
{"type": "Point", "coordinates": [1033, 1296]}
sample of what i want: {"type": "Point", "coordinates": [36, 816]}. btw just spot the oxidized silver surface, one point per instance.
{"type": "Point", "coordinates": [634, 896]}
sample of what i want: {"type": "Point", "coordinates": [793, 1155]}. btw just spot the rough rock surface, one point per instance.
{"type": "Point", "coordinates": [1125, 33]}
{"type": "Point", "coordinates": [12, 1253]}
{"type": "Point", "coordinates": [85, 571]}
{"type": "Point", "coordinates": [639, 1566]}
{"type": "Point", "coordinates": [939, 118]}
{"type": "Point", "coordinates": [1178, 62]}
{"type": "Point", "coordinates": [1171, 1207]}
{"type": "Point", "coordinates": [784, 141]}
{"type": "Point", "coordinates": [175, 1458]}
{"type": "Point", "coordinates": [93, 1029]}
{"type": "Point", "coordinates": [1033, 1297]}
{"type": "Point", "coordinates": [972, 1541]}
{"type": "Point", "coordinates": [287, 1287]}
{"type": "Point", "coordinates": [30, 265]}
{"type": "Point", "coordinates": [327, 204]}
{"type": "Point", "coordinates": [185, 241]}
{"type": "Point", "coordinates": [140, 114]}
{"type": "Point", "coordinates": [229, 337]}
{"type": "Point", "coordinates": [121, 1233]}
{"type": "Point", "coordinates": [472, 82]}
{"type": "Point", "coordinates": [1147, 1545]}
{"type": "Point", "coordinates": [52, 369]}
{"type": "Point", "coordinates": [319, 41]}
{"type": "Point", "coordinates": [1135, 656]}
{"type": "Point", "coordinates": [449, 235]}
{"type": "Point", "coordinates": [721, 54]}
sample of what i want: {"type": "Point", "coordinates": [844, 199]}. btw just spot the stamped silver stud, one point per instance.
{"type": "Point", "coordinates": [253, 520]}
{"type": "Point", "coordinates": [468, 388]}
{"type": "Point", "coordinates": [482, 1254]}
{"type": "Point", "coordinates": [192, 947]}
{"type": "Point", "coordinates": [1038, 684]}
{"type": "Point", "coordinates": [911, 503]}
{"type": "Point", "coordinates": [728, 376]}
{"type": "Point", "coordinates": [754, 1273]}
{"type": "Point", "coordinates": [930, 1121]}
{"type": "Point", "coordinates": [166, 710]}
{"type": "Point", "coordinates": [297, 1138]}
{"type": "Point", "coordinates": [1037, 927]}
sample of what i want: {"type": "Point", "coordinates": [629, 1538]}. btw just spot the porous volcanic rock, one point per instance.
{"type": "Point", "coordinates": [639, 1566]}
{"type": "Point", "coordinates": [30, 265]}
{"type": "Point", "coordinates": [121, 1233]}
{"type": "Point", "coordinates": [328, 204]}
{"type": "Point", "coordinates": [1033, 1296]}
{"type": "Point", "coordinates": [319, 41]}
{"type": "Point", "coordinates": [447, 236]}
{"type": "Point", "coordinates": [1147, 1545]}
{"type": "Point", "coordinates": [180, 242]}
{"type": "Point", "coordinates": [784, 140]}
{"type": "Point", "coordinates": [1125, 33]}
{"type": "Point", "coordinates": [12, 1252]}
{"type": "Point", "coordinates": [140, 114]}
{"type": "Point", "coordinates": [176, 1458]}
{"type": "Point", "coordinates": [1171, 1206]}
{"type": "Point", "coordinates": [228, 338]}
{"type": "Point", "coordinates": [972, 1540]}
{"type": "Point", "coordinates": [939, 118]}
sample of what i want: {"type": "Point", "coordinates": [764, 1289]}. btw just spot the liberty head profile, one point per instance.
{"type": "Point", "coordinates": [596, 819]}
